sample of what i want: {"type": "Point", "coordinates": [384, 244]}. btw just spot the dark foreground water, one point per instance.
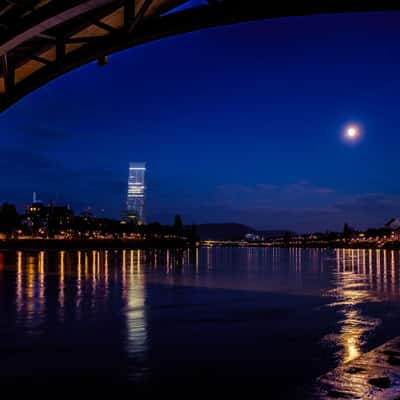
{"type": "Point", "coordinates": [228, 319]}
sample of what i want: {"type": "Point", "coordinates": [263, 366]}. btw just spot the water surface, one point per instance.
{"type": "Point", "coordinates": [238, 318]}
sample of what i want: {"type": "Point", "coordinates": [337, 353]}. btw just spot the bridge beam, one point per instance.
{"type": "Point", "coordinates": [45, 18]}
{"type": "Point", "coordinates": [129, 13]}
{"type": "Point", "coordinates": [7, 70]}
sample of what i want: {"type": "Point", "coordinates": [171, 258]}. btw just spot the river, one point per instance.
{"type": "Point", "coordinates": [237, 318]}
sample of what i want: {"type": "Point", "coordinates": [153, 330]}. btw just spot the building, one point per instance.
{"type": "Point", "coordinates": [48, 220]}
{"type": "Point", "coordinates": [135, 205]}
{"type": "Point", "coordinates": [36, 215]}
{"type": "Point", "coordinates": [59, 220]}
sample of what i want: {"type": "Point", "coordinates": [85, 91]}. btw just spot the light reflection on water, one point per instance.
{"type": "Point", "coordinates": [361, 277]}
{"type": "Point", "coordinates": [134, 293]}
{"type": "Point", "coordinates": [88, 285]}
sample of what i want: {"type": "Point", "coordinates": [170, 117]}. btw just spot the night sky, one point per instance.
{"type": "Point", "coordinates": [236, 124]}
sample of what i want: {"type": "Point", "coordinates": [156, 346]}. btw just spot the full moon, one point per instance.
{"type": "Point", "coordinates": [352, 133]}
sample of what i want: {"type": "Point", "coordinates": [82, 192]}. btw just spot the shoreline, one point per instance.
{"type": "Point", "coordinates": [390, 245]}
{"type": "Point", "coordinates": [72, 244]}
{"type": "Point", "coordinates": [77, 244]}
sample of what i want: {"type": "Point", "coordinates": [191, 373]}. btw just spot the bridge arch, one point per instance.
{"type": "Point", "coordinates": [41, 40]}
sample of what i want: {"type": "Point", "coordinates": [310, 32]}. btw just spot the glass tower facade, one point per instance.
{"type": "Point", "coordinates": [136, 191]}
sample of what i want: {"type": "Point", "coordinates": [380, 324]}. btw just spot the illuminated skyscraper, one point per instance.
{"type": "Point", "coordinates": [136, 191]}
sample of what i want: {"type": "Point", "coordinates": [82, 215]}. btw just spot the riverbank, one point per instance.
{"type": "Point", "coordinates": [71, 244]}
{"type": "Point", "coordinates": [98, 244]}
{"type": "Point", "coordinates": [352, 244]}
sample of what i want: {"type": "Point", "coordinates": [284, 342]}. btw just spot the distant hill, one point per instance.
{"type": "Point", "coordinates": [228, 231]}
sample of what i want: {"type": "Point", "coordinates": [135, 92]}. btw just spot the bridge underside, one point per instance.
{"type": "Point", "coordinates": [43, 39]}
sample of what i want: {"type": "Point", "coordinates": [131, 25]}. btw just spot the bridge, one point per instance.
{"type": "Point", "coordinates": [41, 40]}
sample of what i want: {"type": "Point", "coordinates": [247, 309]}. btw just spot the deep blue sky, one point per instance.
{"type": "Point", "coordinates": [238, 123]}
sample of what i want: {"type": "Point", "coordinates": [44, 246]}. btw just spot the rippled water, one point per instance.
{"type": "Point", "coordinates": [274, 318]}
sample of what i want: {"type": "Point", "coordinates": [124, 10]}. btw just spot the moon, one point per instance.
{"type": "Point", "coordinates": [352, 133]}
